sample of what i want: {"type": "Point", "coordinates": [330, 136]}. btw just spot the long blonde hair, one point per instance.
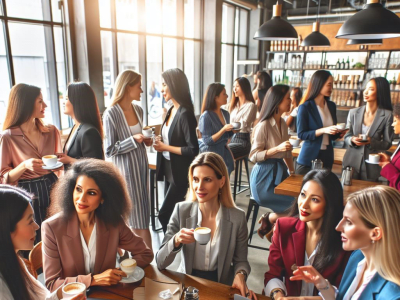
{"type": "Point", "coordinates": [215, 162]}
{"type": "Point", "coordinates": [379, 206]}
{"type": "Point", "coordinates": [127, 77]}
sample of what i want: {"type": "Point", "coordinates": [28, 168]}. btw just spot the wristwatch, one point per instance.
{"type": "Point", "coordinates": [325, 288]}
{"type": "Point", "coordinates": [274, 292]}
{"type": "Point", "coordinates": [243, 272]}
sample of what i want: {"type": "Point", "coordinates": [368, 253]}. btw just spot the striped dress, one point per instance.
{"type": "Point", "coordinates": [131, 159]}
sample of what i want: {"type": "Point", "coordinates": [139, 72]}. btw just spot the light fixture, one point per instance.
{"type": "Point", "coordinates": [365, 42]}
{"type": "Point", "coordinates": [316, 38]}
{"type": "Point", "coordinates": [276, 28]}
{"type": "Point", "coordinates": [373, 22]}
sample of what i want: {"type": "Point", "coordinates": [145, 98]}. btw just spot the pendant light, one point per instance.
{"type": "Point", "coordinates": [316, 38]}
{"type": "Point", "coordinates": [373, 22]}
{"type": "Point", "coordinates": [276, 28]}
{"type": "Point", "coordinates": [365, 42]}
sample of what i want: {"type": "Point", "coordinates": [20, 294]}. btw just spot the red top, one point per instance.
{"type": "Point", "coordinates": [392, 171]}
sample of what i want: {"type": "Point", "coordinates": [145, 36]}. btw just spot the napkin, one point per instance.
{"type": "Point", "coordinates": [153, 288]}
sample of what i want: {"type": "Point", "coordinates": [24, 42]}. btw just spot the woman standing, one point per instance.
{"type": "Point", "coordinates": [291, 117]}
{"type": "Point", "coordinates": [23, 143]}
{"type": "Point", "coordinates": [264, 82]}
{"type": "Point", "coordinates": [124, 146]}
{"type": "Point", "coordinates": [214, 124]}
{"type": "Point", "coordinates": [316, 122]}
{"type": "Point", "coordinates": [179, 144]}
{"type": "Point", "coordinates": [86, 136]}
{"type": "Point", "coordinates": [242, 109]}
{"type": "Point", "coordinates": [374, 120]}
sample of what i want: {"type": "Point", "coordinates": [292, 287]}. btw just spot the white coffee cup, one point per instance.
{"type": "Point", "coordinates": [202, 235]}
{"type": "Point", "coordinates": [50, 160]}
{"type": "Point", "coordinates": [128, 266]}
{"type": "Point", "coordinates": [294, 141]}
{"type": "Point", "coordinates": [341, 126]}
{"type": "Point", "coordinates": [363, 137]}
{"type": "Point", "coordinates": [374, 158]}
{"type": "Point", "coordinates": [73, 289]}
{"type": "Point", "coordinates": [147, 133]}
{"type": "Point", "coordinates": [236, 125]}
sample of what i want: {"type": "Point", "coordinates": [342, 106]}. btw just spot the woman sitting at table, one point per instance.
{"type": "Point", "coordinates": [89, 207]}
{"type": "Point", "coordinates": [374, 120]}
{"type": "Point", "coordinates": [214, 124]}
{"type": "Point", "coordinates": [370, 225]}
{"type": "Point", "coordinates": [308, 237]}
{"type": "Point", "coordinates": [209, 204]}
{"type": "Point", "coordinates": [17, 232]}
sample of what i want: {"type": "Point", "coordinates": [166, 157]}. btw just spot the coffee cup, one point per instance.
{"type": "Point", "coordinates": [341, 126]}
{"type": "Point", "coordinates": [236, 125]}
{"type": "Point", "coordinates": [148, 133]}
{"type": "Point", "coordinates": [202, 235]}
{"type": "Point", "coordinates": [374, 158]}
{"type": "Point", "coordinates": [73, 289]}
{"type": "Point", "coordinates": [362, 137]}
{"type": "Point", "coordinates": [294, 141]}
{"type": "Point", "coordinates": [49, 160]}
{"type": "Point", "coordinates": [128, 266]}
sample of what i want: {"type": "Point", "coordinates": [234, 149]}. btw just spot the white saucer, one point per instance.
{"type": "Point", "coordinates": [233, 129]}
{"type": "Point", "coordinates": [372, 163]}
{"type": "Point", "coordinates": [296, 147]}
{"type": "Point", "coordinates": [137, 275]}
{"type": "Point", "coordinates": [56, 166]}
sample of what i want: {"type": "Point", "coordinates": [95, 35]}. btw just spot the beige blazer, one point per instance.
{"type": "Point", "coordinates": [63, 255]}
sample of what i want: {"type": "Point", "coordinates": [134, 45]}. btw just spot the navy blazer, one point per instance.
{"type": "Point", "coordinates": [308, 121]}
{"type": "Point", "coordinates": [377, 289]}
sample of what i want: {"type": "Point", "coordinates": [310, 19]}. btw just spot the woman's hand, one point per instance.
{"type": "Point", "coordinates": [228, 127]}
{"type": "Point", "coordinates": [239, 283]}
{"type": "Point", "coordinates": [309, 274]}
{"type": "Point", "coordinates": [138, 138]}
{"type": "Point", "coordinates": [65, 159]}
{"type": "Point", "coordinates": [285, 146]}
{"type": "Point", "coordinates": [331, 130]}
{"type": "Point", "coordinates": [33, 164]}
{"type": "Point", "coordinates": [148, 141]}
{"type": "Point", "coordinates": [184, 236]}
{"type": "Point", "coordinates": [159, 146]}
{"type": "Point", "coordinates": [384, 159]}
{"type": "Point", "coordinates": [358, 142]}
{"type": "Point", "coordinates": [107, 278]}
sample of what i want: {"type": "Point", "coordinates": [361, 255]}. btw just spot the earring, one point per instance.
{"type": "Point", "coordinates": [102, 201]}
{"type": "Point", "coordinates": [373, 242]}
{"type": "Point", "coordinates": [220, 192]}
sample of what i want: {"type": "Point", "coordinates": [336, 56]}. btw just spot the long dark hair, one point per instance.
{"type": "Point", "coordinates": [244, 84]}
{"type": "Point", "coordinates": [383, 93]}
{"type": "Point", "coordinates": [213, 91]}
{"type": "Point", "coordinates": [316, 84]}
{"type": "Point", "coordinates": [13, 203]}
{"type": "Point", "coordinates": [329, 243]}
{"type": "Point", "coordinates": [265, 80]}
{"type": "Point", "coordinates": [297, 95]}
{"type": "Point", "coordinates": [84, 103]}
{"type": "Point", "coordinates": [178, 85]}
{"type": "Point", "coordinates": [272, 100]}
{"type": "Point", "coordinates": [21, 103]}
{"type": "Point", "coordinates": [108, 178]}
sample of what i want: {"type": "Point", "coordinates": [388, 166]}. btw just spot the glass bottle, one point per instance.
{"type": "Point", "coordinates": [338, 64]}
{"type": "Point", "coordinates": [347, 66]}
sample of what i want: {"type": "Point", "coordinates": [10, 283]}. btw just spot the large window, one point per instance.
{"type": "Point", "coordinates": [32, 52]}
{"type": "Point", "coordinates": [234, 41]}
{"type": "Point", "coordinates": [151, 36]}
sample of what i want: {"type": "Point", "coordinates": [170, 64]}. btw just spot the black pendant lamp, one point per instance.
{"type": "Point", "coordinates": [316, 38]}
{"type": "Point", "coordinates": [365, 42]}
{"type": "Point", "coordinates": [276, 28]}
{"type": "Point", "coordinates": [373, 22]}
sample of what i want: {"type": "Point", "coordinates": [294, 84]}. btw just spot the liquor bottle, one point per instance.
{"type": "Point", "coordinates": [295, 46]}
{"type": "Point", "coordinates": [279, 79]}
{"type": "Point", "coordinates": [347, 66]}
{"type": "Point", "coordinates": [279, 46]}
{"type": "Point", "coordinates": [338, 64]}
{"type": "Point", "coordinates": [275, 80]}
{"type": "Point", "coordinates": [291, 45]}
{"type": "Point", "coordinates": [271, 46]}
{"type": "Point", "coordinates": [299, 42]}
{"type": "Point", "coordinates": [342, 64]}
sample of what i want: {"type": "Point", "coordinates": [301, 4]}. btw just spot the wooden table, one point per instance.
{"type": "Point", "coordinates": [208, 290]}
{"type": "Point", "coordinates": [291, 186]}
{"type": "Point", "coordinates": [338, 154]}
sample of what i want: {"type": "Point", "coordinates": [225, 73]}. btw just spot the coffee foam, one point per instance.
{"type": "Point", "coordinates": [73, 288]}
{"type": "Point", "coordinates": [128, 263]}
{"type": "Point", "coordinates": [203, 230]}
{"type": "Point", "coordinates": [50, 156]}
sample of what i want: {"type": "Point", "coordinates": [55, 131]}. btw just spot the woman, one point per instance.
{"type": "Point", "coordinates": [370, 226]}
{"type": "Point", "coordinates": [391, 164]}
{"type": "Point", "coordinates": [214, 124]}
{"type": "Point", "coordinates": [271, 152]}
{"type": "Point", "coordinates": [316, 123]}
{"type": "Point", "coordinates": [263, 83]}
{"type": "Point", "coordinates": [86, 136]}
{"type": "Point", "coordinates": [308, 237]}
{"type": "Point", "coordinates": [89, 206]}
{"type": "Point", "coordinates": [124, 145]}
{"type": "Point", "coordinates": [209, 204]}
{"type": "Point", "coordinates": [17, 232]}
{"type": "Point", "coordinates": [242, 109]}
{"type": "Point", "coordinates": [179, 144]}
{"type": "Point", "coordinates": [291, 117]}
{"type": "Point", "coordinates": [23, 143]}
{"type": "Point", "coordinates": [374, 120]}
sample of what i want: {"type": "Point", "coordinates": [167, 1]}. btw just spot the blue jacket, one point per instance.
{"type": "Point", "coordinates": [377, 289]}
{"type": "Point", "coordinates": [308, 121]}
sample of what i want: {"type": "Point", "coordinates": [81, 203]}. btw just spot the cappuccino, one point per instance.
{"type": "Point", "coordinates": [236, 125]}
{"type": "Point", "coordinates": [341, 126]}
{"type": "Point", "coordinates": [72, 289]}
{"type": "Point", "coordinates": [49, 160]}
{"type": "Point", "coordinates": [374, 158]}
{"type": "Point", "coordinates": [202, 235]}
{"type": "Point", "coordinates": [128, 266]}
{"type": "Point", "coordinates": [294, 141]}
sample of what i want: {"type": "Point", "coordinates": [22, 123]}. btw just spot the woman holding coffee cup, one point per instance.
{"type": "Point", "coordinates": [370, 130]}
{"type": "Point", "coordinates": [124, 145]}
{"type": "Point", "coordinates": [17, 232]}
{"type": "Point", "coordinates": [24, 141]}
{"type": "Point", "coordinates": [214, 126]}
{"type": "Point", "coordinates": [90, 204]}
{"type": "Point", "coordinates": [208, 229]}
{"type": "Point", "coordinates": [291, 117]}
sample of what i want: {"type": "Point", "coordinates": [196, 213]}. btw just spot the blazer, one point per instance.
{"type": "Point", "coordinates": [381, 134]}
{"type": "Point", "coordinates": [377, 289]}
{"type": "Point", "coordinates": [308, 121]}
{"type": "Point", "coordinates": [182, 133]}
{"type": "Point", "coordinates": [232, 255]}
{"type": "Point", "coordinates": [63, 260]}
{"type": "Point", "coordinates": [392, 170]}
{"type": "Point", "coordinates": [288, 248]}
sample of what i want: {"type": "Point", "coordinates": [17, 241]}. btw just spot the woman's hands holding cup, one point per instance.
{"type": "Point", "coordinates": [360, 142]}
{"type": "Point", "coordinates": [184, 236]}
{"type": "Point", "coordinates": [138, 138]}
{"type": "Point", "coordinates": [228, 127]}
{"type": "Point", "coordinates": [33, 164]}
{"type": "Point", "coordinates": [65, 159]}
{"type": "Point", "coordinates": [107, 278]}
{"type": "Point", "coordinates": [285, 146]}
{"type": "Point", "coordinates": [331, 130]}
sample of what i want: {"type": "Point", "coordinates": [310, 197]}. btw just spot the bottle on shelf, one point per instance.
{"type": "Point", "coordinates": [291, 45]}
{"type": "Point", "coordinates": [393, 83]}
{"type": "Point", "coordinates": [295, 45]}
{"type": "Point", "coordinates": [347, 66]}
{"type": "Point", "coordinates": [300, 40]}
{"type": "Point", "coordinates": [342, 64]}
{"type": "Point", "coordinates": [279, 79]}
{"type": "Point", "coordinates": [338, 64]}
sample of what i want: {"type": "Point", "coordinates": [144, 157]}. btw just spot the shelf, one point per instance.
{"type": "Point", "coordinates": [344, 108]}
{"type": "Point", "coordinates": [345, 69]}
{"type": "Point", "coordinates": [279, 69]}
{"type": "Point", "coordinates": [350, 90]}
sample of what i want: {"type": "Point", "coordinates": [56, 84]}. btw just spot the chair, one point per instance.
{"type": "Point", "coordinates": [35, 259]}
{"type": "Point", "coordinates": [253, 204]}
{"type": "Point", "coordinates": [238, 170]}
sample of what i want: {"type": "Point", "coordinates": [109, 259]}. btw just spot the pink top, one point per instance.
{"type": "Point", "coordinates": [16, 148]}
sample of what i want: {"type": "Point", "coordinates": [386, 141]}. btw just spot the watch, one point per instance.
{"type": "Point", "coordinates": [274, 292]}
{"type": "Point", "coordinates": [243, 272]}
{"type": "Point", "coordinates": [325, 288]}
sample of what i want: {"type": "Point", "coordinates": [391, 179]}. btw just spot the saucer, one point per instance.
{"type": "Point", "coordinates": [56, 166]}
{"type": "Point", "coordinates": [137, 275]}
{"type": "Point", "coordinates": [372, 163]}
{"type": "Point", "coordinates": [296, 147]}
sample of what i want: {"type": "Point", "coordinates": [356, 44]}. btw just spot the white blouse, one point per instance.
{"type": "Point", "coordinates": [327, 120]}
{"type": "Point", "coordinates": [352, 293]}
{"type": "Point", "coordinates": [164, 133]}
{"type": "Point", "coordinates": [89, 251]}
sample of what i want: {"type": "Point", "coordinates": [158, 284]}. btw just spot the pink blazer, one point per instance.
{"type": "Point", "coordinates": [392, 171]}
{"type": "Point", "coordinates": [63, 255]}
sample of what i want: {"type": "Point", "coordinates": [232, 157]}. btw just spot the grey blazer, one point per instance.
{"type": "Point", "coordinates": [381, 134]}
{"type": "Point", "coordinates": [232, 255]}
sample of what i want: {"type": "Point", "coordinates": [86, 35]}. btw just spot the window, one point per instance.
{"type": "Point", "coordinates": [32, 52]}
{"type": "Point", "coordinates": [150, 37]}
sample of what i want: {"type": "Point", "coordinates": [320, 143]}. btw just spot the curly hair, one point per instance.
{"type": "Point", "coordinates": [108, 178]}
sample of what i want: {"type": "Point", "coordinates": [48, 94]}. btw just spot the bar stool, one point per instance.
{"type": "Point", "coordinates": [153, 199]}
{"type": "Point", "coordinates": [238, 170]}
{"type": "Point", "coordinates": [253, 204]}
